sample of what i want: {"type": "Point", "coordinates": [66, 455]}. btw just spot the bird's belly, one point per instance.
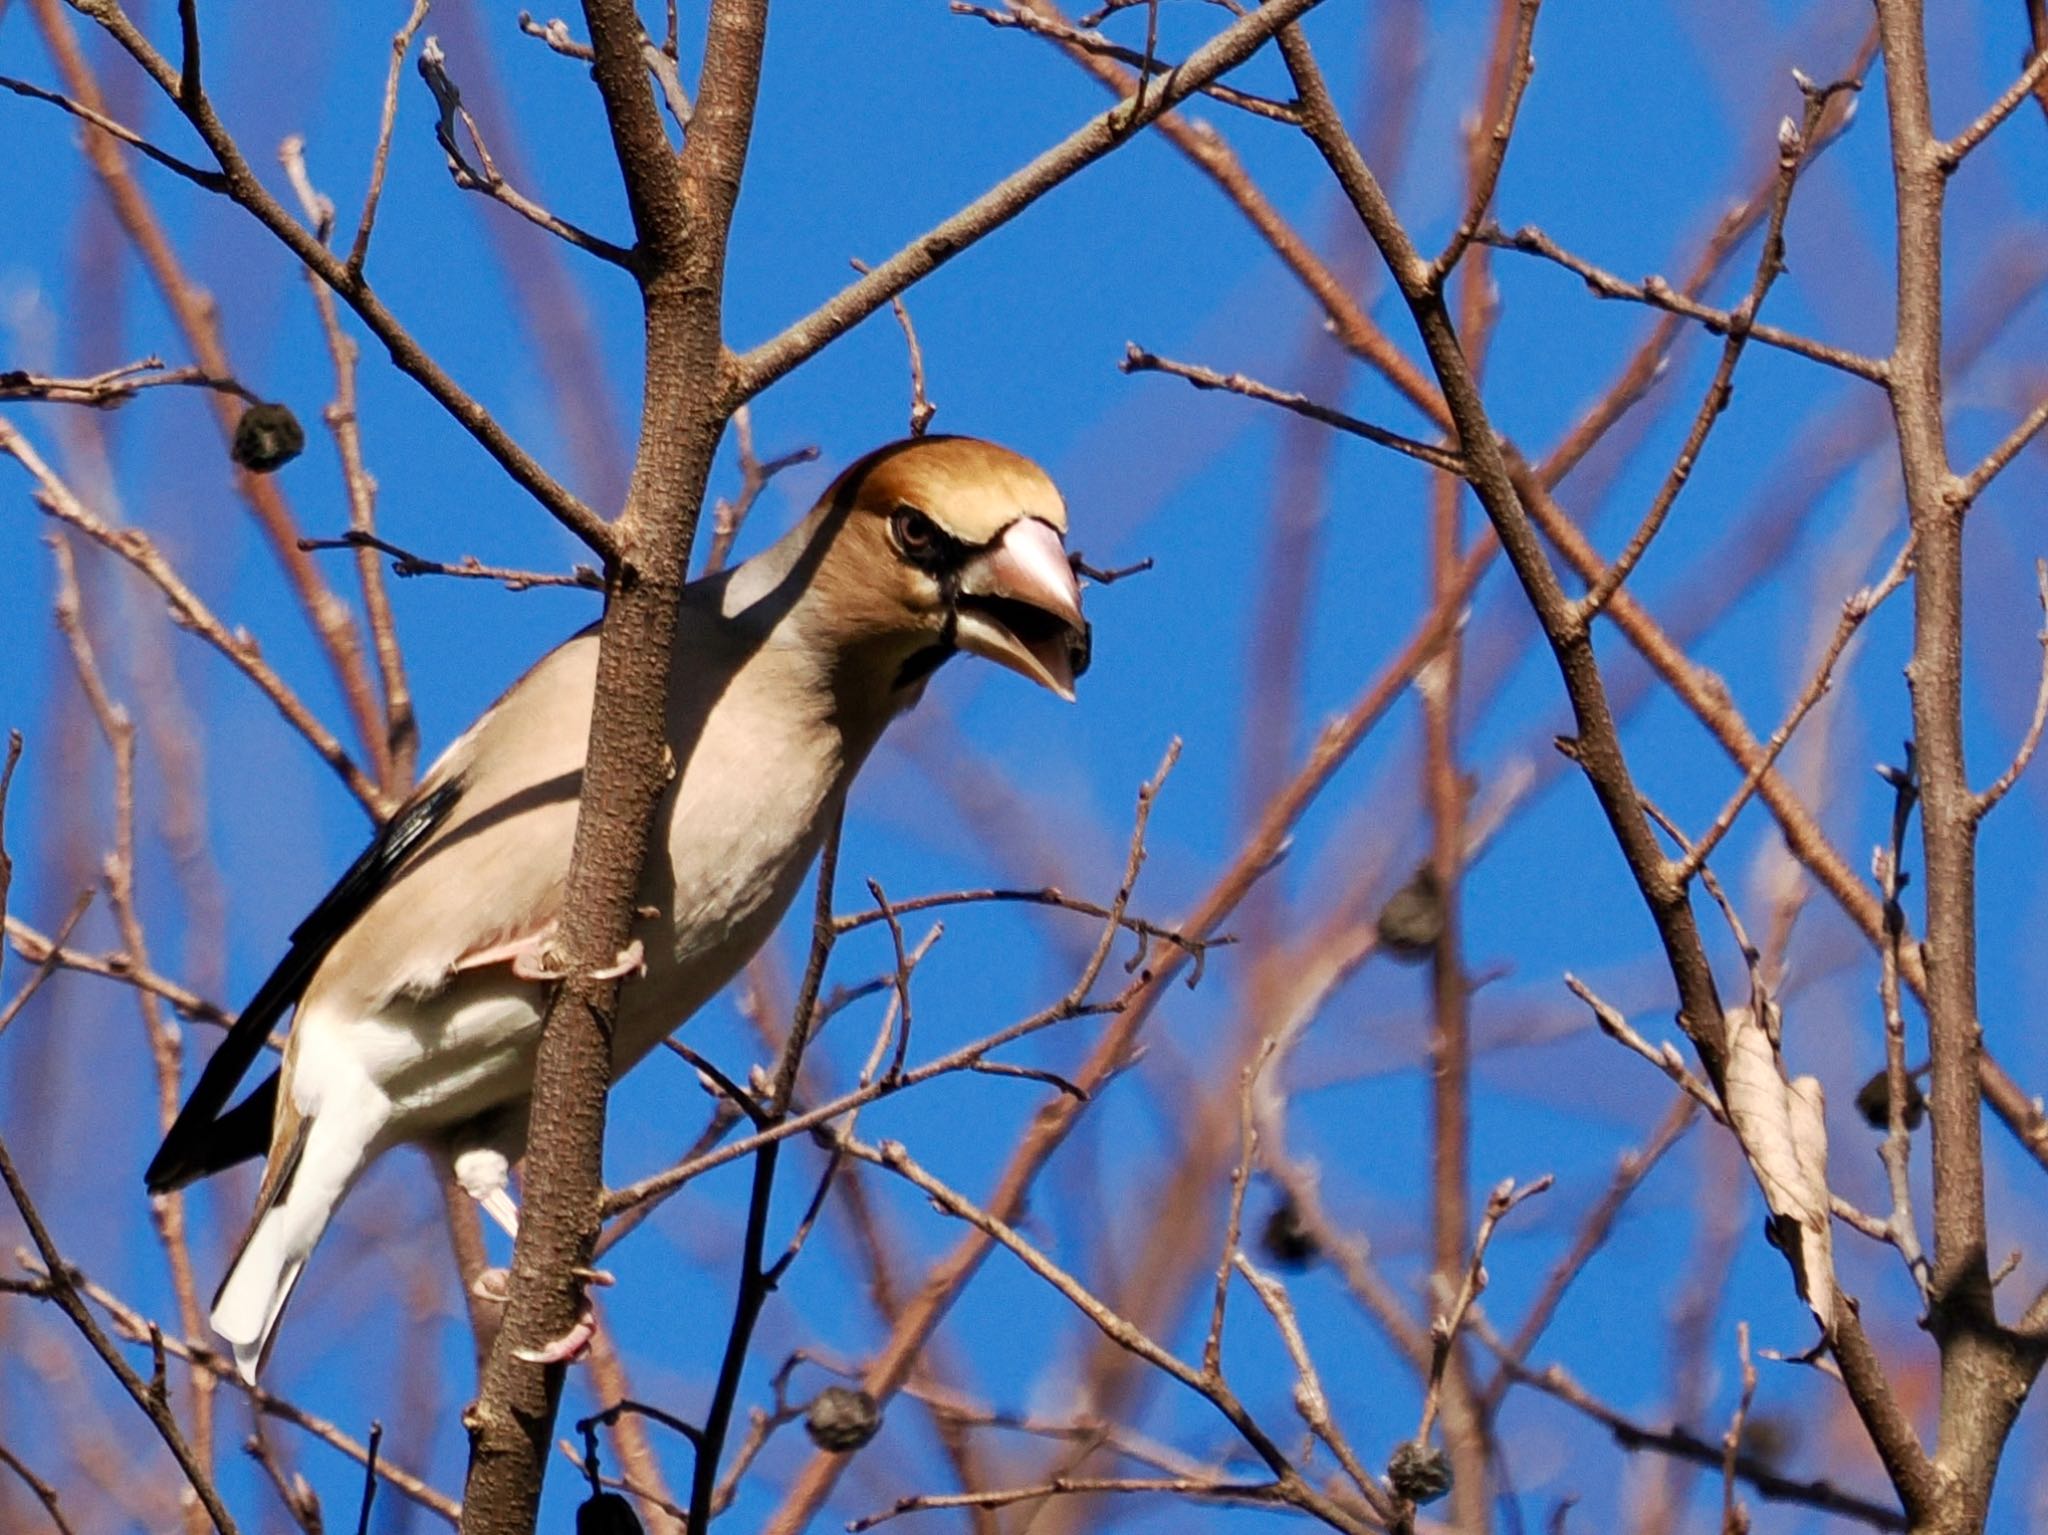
{"type": "Point", "coordinates": [470, 1048]}
{"type": "Point", "coordinates": [731, 865]}
{"type": "Point", "coordinates": [730, 874]}
{"type": "Point", "coordinates": [711, 940]}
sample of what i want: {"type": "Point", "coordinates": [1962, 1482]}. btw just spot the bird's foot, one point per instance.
{"type": "Point", "coordinates": [632, 960]}
{"type": "Point", "coordinates": [574, 1343]}
{"type": "Point", "coordinates": [532, 965]}
{"type": "Point", "coordinates": [484, 1174]}
{"type": "Point", "coordinates": [495, 1284]}
{"type": "Point", "coordinates": [568, 1348]}
{"type": "Point", "coordinates": [498, 1205]}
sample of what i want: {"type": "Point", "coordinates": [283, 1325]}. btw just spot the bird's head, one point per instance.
{"type": "Point", "coordinates": [941, 544]}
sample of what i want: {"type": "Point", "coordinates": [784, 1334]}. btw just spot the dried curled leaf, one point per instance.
{"type": "Point", "coordinates": [1782, 1125]}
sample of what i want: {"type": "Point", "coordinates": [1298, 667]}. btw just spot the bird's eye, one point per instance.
{"type": "Point", "coordinates": [916, 535]}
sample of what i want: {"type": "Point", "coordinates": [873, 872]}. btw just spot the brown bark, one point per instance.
{"type": "Point", "coordinates": [682, 210]}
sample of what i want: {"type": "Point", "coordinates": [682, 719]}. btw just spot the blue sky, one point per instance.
{"type": "Point", "coordinates": [876, 121]}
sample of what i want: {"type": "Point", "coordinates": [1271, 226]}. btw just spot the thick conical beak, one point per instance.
{"type": "Point", "coordinates": [1021, 607]}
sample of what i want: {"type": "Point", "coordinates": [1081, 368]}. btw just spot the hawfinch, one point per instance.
{"type": "Point", "coordinates": [418, 980]}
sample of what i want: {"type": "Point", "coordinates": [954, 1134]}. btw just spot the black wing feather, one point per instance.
{"type": "Point", "coordinates": [203, 1140]}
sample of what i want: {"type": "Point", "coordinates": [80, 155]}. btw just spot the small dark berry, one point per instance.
{"type": "Point", "coordinates": [267, 438]}
{"type": "Point", "coordinates": [1413, 918]}
{"type": "Point", "coordinates": [842, 1419]}
{"type": "Point", "coordinates": [1286, 1240]}
{"type": "Point", "coordinates": [1874, 1103]}
{"type": "Point", "coordinates": [1419, 1472]}
{"type": "Point", "coordinates": [606, 1513]}
{"type": "Point", "coordinates": [1769, 1438]}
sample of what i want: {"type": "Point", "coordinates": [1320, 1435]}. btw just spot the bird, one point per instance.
{"type": "Point", "coordinates": [420, 980]}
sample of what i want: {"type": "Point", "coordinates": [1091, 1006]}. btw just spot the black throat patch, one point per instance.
{"type": "Point", "coordinates": [924, 662]}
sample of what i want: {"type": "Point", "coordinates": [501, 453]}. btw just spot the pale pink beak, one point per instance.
{"type": "Point", "coordinates": [1020, 606]}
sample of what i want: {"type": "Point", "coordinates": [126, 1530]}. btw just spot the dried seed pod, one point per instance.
{"type": "Point", "coordinates": [606, 1513]}
{"type": "Point", "coordinates": [842, 1418]}
{"type": "Point", "coordinates": [1874, 1103]}
{"type": "Point", "coordinates": [267, 438]}
{"type": "Point", "coordinates": [1286, 1240]}
{"type": "Point", "coordinates": [1419, 1472]}
{"type": "Point", "coordinates": [1413, 918]}
{"type": "Point", "coordinates": [1769, 1438]}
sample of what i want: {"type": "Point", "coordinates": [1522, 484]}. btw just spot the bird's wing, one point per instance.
{"type": "Point", "coordinates": [489, 880]}
{"type": "Point", "coordinates": [184, 1154]}
{"type": "Point", "coordinates": [468, 862]}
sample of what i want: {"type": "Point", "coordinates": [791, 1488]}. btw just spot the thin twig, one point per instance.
{"type": "Point", "coordinates": [37, 948]}
{"type": "Point", "coordinates": [2031, 742]}
{"type": "Point", "coordinates": [1659, 294]}
{"type": "Point", "coordinates": [116, 386]}
{"type": "Point", "coordinates": [1735, 1518]}
{"type": "Point", "coordinates": [1793, 139]}
{"type": "Point", "coordinates": [212, 181]}
{"type": "Point", "coordinates": [485, 178]}
{"type": "Point", "coordinates": [1631, 1435]}
{"type": "Point", "coordinates": [135, 547]}
{"type": "Point", "coordinates": [9, 761]}
{"type": "Point", "coordinates": [1966, 490]}
{"type": "Point", "coordinates": [376, 1428]}
{"type": "Point", "coordinates": [1045, 895]}
{"type": "Point", "coordinates": [50, 962]}
{"type": "Point", "coordinates": [1855, 611]}
{"type": "Point", "coordinates": [1951, 154]}
{"type": "Point", "coordinates": [402, 731]}
{"type": "Point", "coordinates": [292, 1489]}
{"type": "Point", "coordinates": [1137, 360]}
{"type": "Point", "coordinates": [401, 44]}
{"type": "Point", "coordinates": [921, 409]}
{"type": "Point", "coordinates": [1489, 165]}
{"type": "Point", "coordinates": [1902, 1230]}
{"type": "Point", "coordinates": [61, 1287]}
{"type": "Point", "coordinates": [754, 370]}
{"type": "Point", "coordinates": [1233, 1225]}
{"type": "Point", "coordinates": [727, 517]}
{"type": "Point", "coordinates": [1093, 42]}
{"type": "Point", "coordinates": [900, 979]}
{"type": "Point", "coordinates": [1200, 1489]}
{"type": "Point", "coordinates": [1445, 1327]}
{"type": "Point", "coordinates": [1310, 1400]}
{"type": "Point", "coordinates": [44, 1493]}
{"type": "Point", "coordinates": [405, 563]}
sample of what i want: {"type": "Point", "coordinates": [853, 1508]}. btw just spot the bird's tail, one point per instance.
{"type": "Point", "coordinates": [312, 1166]}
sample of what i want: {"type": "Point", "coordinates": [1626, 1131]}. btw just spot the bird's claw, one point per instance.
{"type": "Point", "coordinates": [568, 1348]}
{"type": "Point", "coordinates": [492, 1284]}
{"type": "Point", "coordinates": [632, 960]}
{"type": "Point", "coordinates": [531, 965]}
